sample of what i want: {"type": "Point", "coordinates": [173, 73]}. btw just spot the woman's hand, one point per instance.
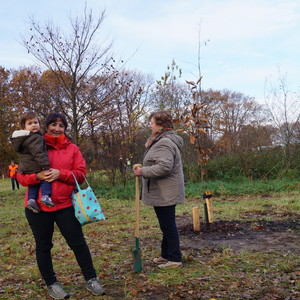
{"type": "Point", "coordinates": [137, 171]}
{"type": "Point", "coordinates": [51, 175]}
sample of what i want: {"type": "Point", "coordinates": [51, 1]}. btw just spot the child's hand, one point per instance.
{"type": "Point", "coordinates": [41, 175]}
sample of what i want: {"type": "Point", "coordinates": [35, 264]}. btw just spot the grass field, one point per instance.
{"type": "Point", "coordinates": [211, 271]}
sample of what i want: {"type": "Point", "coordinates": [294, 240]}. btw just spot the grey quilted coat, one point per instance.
{"type": "Point", "coordinates": [162, 174]}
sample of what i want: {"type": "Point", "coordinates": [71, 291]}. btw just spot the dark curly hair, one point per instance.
{"type": "Point", "coordinates": [53, 117]}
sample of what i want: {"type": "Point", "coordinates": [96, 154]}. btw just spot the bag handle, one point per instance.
{"type": "Point", "coordinates": [86, 180]}
{"type": "Point", "coordinates": [77, 184]}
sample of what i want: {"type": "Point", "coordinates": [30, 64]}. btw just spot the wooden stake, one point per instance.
{"type": "Point", "coordinates": [196, 219]}
{"type": "Point", "coordinates": [209, 209]}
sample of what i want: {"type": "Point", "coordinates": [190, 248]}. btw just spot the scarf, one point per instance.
{"type": "Point", "coordinates": [54, 141]}
{"type": "Point", "coordinates": [154, 136]}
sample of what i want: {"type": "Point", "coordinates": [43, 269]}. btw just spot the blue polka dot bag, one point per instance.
{"type": "Point", "coordinates": [86, 206]}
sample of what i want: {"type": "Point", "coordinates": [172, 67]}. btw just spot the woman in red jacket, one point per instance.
{"type": "Point", "coordinates": [65, 159]}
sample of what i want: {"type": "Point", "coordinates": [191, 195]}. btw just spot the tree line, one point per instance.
{"type": "Point", "coordinates": [111, 124]}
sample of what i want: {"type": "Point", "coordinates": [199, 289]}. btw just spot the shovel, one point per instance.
{"type": "Point", "coordinates": [136, 253]}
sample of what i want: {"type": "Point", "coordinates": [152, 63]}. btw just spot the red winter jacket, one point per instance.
{"type": "Point", "coordinates": [66, 157]}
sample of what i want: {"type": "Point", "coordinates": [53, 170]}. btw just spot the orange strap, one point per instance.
{"type": "Point", "coordinates": [81, 206]}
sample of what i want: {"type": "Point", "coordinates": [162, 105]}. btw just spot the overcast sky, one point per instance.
{"type": "Point", "coordinates": [246, 40]}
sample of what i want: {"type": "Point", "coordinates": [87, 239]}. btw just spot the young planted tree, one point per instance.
{"type": "Point", "coordinates": [169, 94]}
{"type": "Point", "coordinates": [77, 60]}
{"type": "Point", "coordinates": [194, 122]}
{"type": "Point", "coordinates": [194, 118]}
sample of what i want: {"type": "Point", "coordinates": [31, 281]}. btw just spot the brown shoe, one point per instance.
{"type": "Point", "coordinates": [160, 260]}
{"type": "Point", "coordinates": [171, 264]}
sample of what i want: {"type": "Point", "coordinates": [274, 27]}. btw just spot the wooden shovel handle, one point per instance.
{"type": "Point", "coordinates": [136, 166]}
{"type": "Point", "coordinates": [137, 204]}
{"type": "Point", "coordinates": [137, 207]}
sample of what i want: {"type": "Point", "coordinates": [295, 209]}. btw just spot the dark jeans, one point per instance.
{"type": "Point", "coordinates": [170, 246]}
{"type": "Point", "coordinates": [13, 180]}
{"type": "Point", "coordinates": [42, 226]}
{"type": "Point", "coordinates": [33, 190]}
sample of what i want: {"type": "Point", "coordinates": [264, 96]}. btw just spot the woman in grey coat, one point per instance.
{"type": "Point", "coordinates": [163, 183]}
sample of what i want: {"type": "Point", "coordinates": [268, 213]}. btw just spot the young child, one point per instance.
{"type": "Point", "coordinates": [30, 143]}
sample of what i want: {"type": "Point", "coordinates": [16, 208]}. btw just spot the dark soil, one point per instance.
{"type": "Point", "coordinates": [279, 236]}
{"type": "Point", "coordinates": [260, 235]}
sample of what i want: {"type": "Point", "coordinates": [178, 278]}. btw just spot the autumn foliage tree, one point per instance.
{"type": "Point", "coordinates": [8, 116]}
{"type": "Point", "coordinates": [235, 111]}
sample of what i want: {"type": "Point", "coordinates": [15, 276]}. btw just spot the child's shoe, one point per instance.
{"type": "Point", "coordinates": [46, 200]}
{"type": "Point", "coordinates": [32, 205]}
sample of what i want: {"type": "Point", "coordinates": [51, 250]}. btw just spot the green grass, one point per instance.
{"type": "Point", "coordinates": [223, 188]}
{"type": "Point", "coordinates": [218, 188]}
{"type": "Point", "coordinates": [207, 273]}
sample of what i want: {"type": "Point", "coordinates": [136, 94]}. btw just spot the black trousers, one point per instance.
{"type": "Point", "coordinates": [42, 226]}
{"type": "Point", "coordinates": [170, 246]}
